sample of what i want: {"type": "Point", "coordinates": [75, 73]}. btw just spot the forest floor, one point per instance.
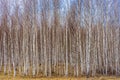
{"type": "Point", "coordinates": [10, 77]}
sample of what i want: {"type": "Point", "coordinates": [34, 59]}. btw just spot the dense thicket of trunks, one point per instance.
{"type": "Point", "coordinates": [50, 47]}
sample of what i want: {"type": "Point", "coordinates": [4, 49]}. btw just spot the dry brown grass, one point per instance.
{"type": "Point", "coordinates": [10, 77]}
{"type": "Point", "coordinates": [40, 77]}
{"type": "Point", "coordinates": [82, 78]}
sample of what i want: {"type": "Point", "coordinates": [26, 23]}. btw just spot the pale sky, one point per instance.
{"type": "Point", "coordinates": [65, 6]}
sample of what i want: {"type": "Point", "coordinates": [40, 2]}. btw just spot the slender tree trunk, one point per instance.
{"type": "Point", "coordinates": [5, 52]}
{"type": "Point", "coordinates": [117, 50]}
{"type": "Point", "coordinates": [66, 65]}
{"type": "Point", "coordinates": [45, 53]}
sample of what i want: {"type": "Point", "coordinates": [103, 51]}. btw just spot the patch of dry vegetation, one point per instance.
{"type": "Point", "coordinates": [19, 77]}
{"type": "Point", "coordinates": [10, 77]}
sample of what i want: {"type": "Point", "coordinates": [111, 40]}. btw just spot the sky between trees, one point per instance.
{"type": "Point", "coordinates": [107, 7]}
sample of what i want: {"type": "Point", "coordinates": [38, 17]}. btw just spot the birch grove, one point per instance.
{"type": "Point", "coordinates": [55, 38]}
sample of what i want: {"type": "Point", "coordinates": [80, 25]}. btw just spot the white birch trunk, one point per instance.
{"type": "Point", "coordinates": [81, 54]}
{"type": "Point", "coordinates": [117, 51]}
{"type": "Point", "coordinates": [45, 53]}
{"type": "Point", "coordinates": [33, 64]}
{"type": "Point", "coordinates": [88, 36]}
{"type": "Point", "coordinates": [66, 66]}
{"type": "Point", "coordinates": [5, 52]}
